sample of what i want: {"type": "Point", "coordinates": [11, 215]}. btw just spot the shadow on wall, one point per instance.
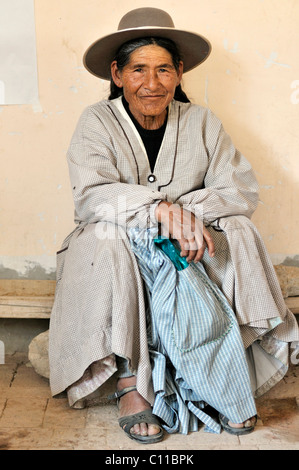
{"type": "Point", "coordinates": [31, 271]}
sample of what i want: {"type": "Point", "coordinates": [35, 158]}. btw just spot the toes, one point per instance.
{"type": "Point", "coordinates": [235, 425]}
{"type": "Point", "coordinates": [145, 430]}
{"type": "Point", "coordinates": [135, 429]}
{"type": "Point", "coordinates": [153, 429]}
{"type": "Point", "coordinates": [249, 423]}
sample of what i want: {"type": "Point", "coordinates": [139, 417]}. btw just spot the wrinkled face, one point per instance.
{"type": "Point", "coordinates": [149, 81]}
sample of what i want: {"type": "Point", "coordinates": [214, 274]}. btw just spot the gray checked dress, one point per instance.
{"type": "Point", "coordinates": [100, 310]}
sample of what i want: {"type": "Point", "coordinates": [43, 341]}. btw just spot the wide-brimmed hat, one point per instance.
{"type": "Point", "coordinates": [139, 23]}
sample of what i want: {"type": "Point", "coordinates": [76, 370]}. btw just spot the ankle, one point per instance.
{"type": "Point", "coordinates": [124, 382]}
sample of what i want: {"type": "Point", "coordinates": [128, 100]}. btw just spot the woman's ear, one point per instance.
{"type": "Point", "coordinates": [115, 74]}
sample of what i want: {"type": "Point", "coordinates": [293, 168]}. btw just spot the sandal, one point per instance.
{"type": "Point", "coordinates": [146, 416]}
{"type": "Point", "coordinates": [247, 428]}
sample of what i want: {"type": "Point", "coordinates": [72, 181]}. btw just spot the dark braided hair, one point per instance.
{"type": "Point", "coordinates": [123, 55]}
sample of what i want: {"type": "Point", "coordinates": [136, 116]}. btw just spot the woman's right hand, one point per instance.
{"type": "Point", "coordinates": [188, 230]}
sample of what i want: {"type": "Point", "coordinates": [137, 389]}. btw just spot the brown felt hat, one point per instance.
{"type": "Point", "coordinates": [140, 23]}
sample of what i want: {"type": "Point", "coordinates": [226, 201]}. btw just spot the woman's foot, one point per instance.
{"type": "Point", "coordinates": [247, 424]}
{"type": "Point", "coordinates": [132, 403]}
{"type": "Point", "coordinates": [238, 429]}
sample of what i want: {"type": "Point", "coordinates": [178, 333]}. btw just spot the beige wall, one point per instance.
{"type": "Point", "coordinates": [247, 82]}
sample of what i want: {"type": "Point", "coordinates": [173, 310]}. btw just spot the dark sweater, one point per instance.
{"type": "Point", "coordinates": [152, 139]}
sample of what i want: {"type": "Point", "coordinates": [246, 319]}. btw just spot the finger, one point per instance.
{"type": "Point", "coordinates": [200, 247]}
{"type": "Point", "coordinates": [185, 247]}
{"type": "Point", "coordinates": [192, 249]}
{"type": "Point", "coordinates": [191, 255]}
{"type": "Point", "coordinates": [200, 253]}
{"type": "Point", "coordinates": [209, 241]}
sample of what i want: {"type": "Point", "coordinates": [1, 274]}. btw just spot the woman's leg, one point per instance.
{"type": "Point", "coordinates": [132, 402]}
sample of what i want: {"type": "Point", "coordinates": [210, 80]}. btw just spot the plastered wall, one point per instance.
{"type": "Point", "coordinates": [251, 81]}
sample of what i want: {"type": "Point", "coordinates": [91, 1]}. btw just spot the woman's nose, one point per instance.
{"type": "Point", "coordinates": [151, 80]}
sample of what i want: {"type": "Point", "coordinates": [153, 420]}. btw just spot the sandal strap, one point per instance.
{"type": "Point", "coordinates": [122, 392]}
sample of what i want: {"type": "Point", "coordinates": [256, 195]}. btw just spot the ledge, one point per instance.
{"type": "Point", "coordinates": [20, 298]}
{"type": "Point", "coordinates": [34, 299]}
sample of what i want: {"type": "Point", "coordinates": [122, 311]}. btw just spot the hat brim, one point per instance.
{"type": "Point", "coordinates": [193, 47]}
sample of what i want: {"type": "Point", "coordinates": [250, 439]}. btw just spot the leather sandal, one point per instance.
{"type": "Point", "coordinates": [246, 429]}
{"type": "Point", "coordinates": [146, 416]}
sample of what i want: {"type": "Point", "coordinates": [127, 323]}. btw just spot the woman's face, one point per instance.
{"type": "Point", "coordinates": [149, 81]}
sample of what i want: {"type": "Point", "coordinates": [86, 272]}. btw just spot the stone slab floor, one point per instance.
{"type": "Point", "coordinates": [30, 419]}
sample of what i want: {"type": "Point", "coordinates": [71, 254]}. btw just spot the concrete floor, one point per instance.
{"type": "Point", "coordinates": [30, 419]}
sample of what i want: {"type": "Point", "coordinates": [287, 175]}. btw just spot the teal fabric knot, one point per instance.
{"type": "Point", "coordinates": [172, 251]}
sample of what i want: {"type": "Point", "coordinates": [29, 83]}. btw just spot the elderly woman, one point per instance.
{"type": "Point", "coordinates": [147, 157]}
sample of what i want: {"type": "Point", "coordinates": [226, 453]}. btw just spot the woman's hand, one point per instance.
{"type": "Point", "coordinates": [187, 229]}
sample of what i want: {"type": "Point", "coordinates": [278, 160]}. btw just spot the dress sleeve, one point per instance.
{"type": "Point", "coordinates": [230, 186]}
{"type": "Point", "coordinates": [98, 192]}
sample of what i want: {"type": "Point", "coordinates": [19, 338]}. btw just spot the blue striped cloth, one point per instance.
{"type": "Point", "coordinates": [197, 353]}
